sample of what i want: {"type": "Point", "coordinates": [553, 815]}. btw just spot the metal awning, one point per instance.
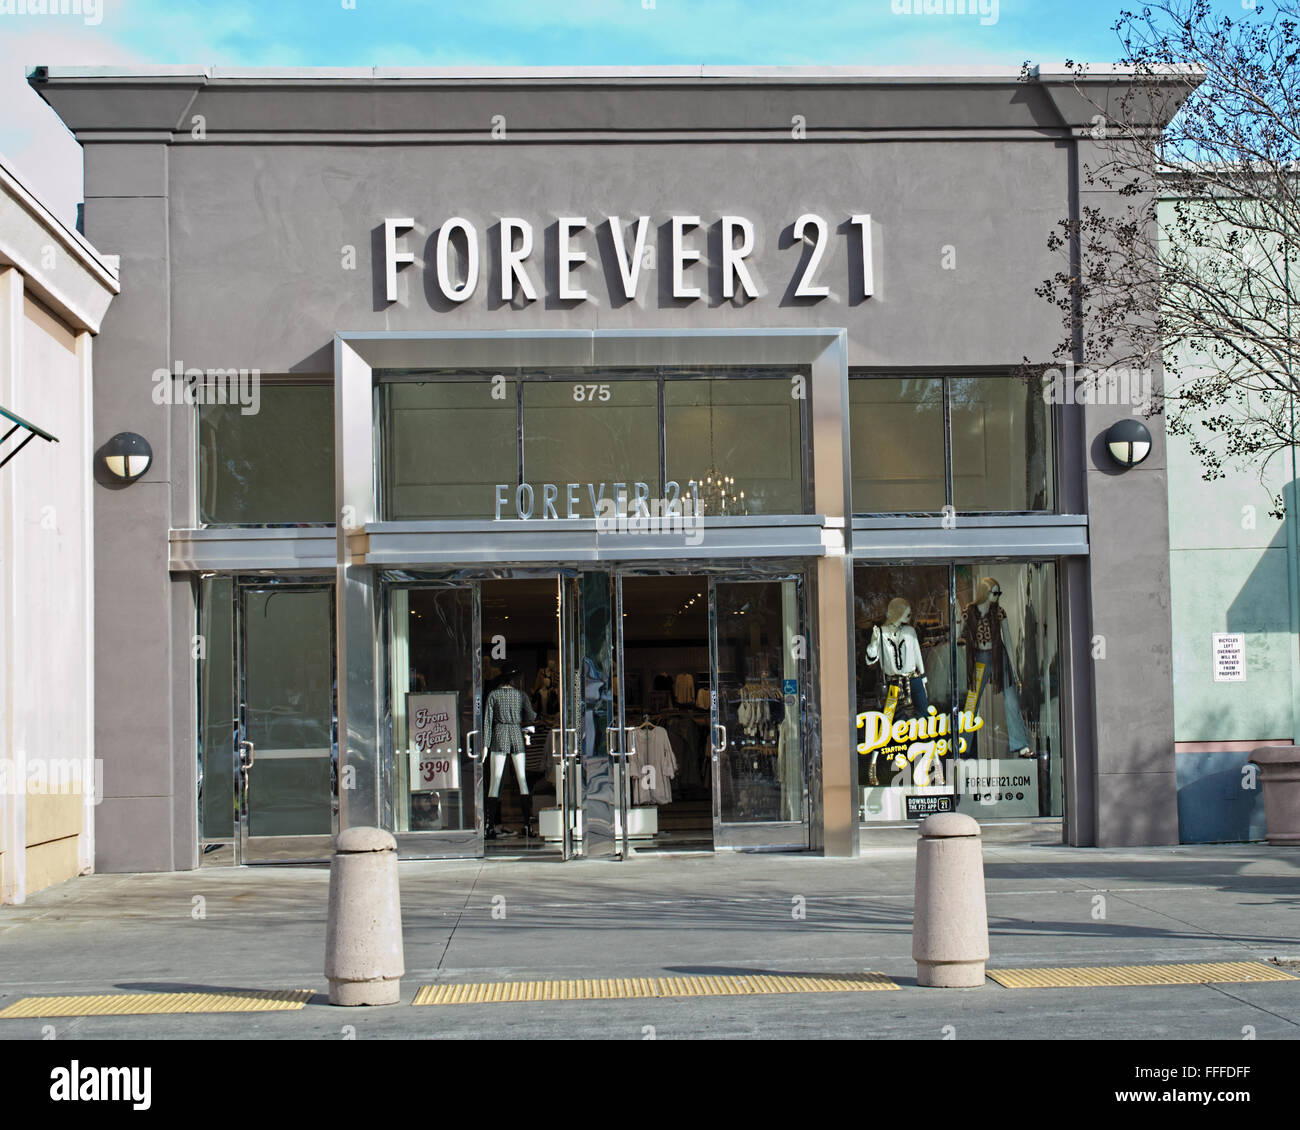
{"type": "Point", "coordinates": [20, 424]}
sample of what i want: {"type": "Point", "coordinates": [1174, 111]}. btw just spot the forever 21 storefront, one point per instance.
{"type": "Point", "coordinates": [625, 467]}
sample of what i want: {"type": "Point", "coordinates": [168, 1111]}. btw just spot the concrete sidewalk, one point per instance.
{"type": "Point", "coordinates": [661, 915]}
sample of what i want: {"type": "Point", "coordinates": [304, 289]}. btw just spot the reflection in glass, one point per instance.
{"type": "Point", "coordinates": [761, 769]}
{"type": "Point", "coordinates": [272, 467]}
{"type": "Point", "coordinates": [289, 709]}
{"type": "Point", "coordinates": [596, 711]}
{"type": "Point", "coordinates": [217, 709]}
{"type": "Point", "coordinates": [591, 432]}
{"type": "Point", "coordinates": [1001, 445]}
{"type": "Point", "coordinates": [1009, 621]}
{"type": "Point", "coordinates": [446, 443]}
{"type": "Point", "coordinates": [739, 440]}
{"type": "Point", "coordinates": [1004, 618]}
{"type": "Point", "coordinates": [896, 438]}
{"type": "Point", "coordinates": [432, 651]}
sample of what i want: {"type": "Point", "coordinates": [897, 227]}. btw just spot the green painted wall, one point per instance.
{"type": "Point", "coordinates": [1228, 564]}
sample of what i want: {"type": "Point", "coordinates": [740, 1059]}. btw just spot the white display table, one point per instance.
{"type": "Point", "coordinates": [641, 823]}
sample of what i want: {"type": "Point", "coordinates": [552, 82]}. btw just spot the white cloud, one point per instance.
{"type": "Point", "coordinates": [34, 140]}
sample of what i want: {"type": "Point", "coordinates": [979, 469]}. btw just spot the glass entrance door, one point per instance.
{"type": "Point", "coordinates": [435, 709]}
{"type": "Point", "coordinates": [759, 668]}
{"type": "Point", "coordinates": [286, 749]}
{"type": "Point", "coordinates": [500, 698]}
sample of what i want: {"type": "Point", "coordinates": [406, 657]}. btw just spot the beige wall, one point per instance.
{"type": "Point", "coordinates": [54, 291]}
{"type": "Point", "coordinates": [46, 737]}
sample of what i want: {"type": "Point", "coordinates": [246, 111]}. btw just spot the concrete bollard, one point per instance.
{"type": "Point", "coordinates": [1279, 773]}
{"type": "Point", "coordinates": [363, 934]}
{"type": "Point", "coordinates": [950, 924]}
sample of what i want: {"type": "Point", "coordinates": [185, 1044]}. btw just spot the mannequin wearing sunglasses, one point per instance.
{"type": "Point", "coordinates": [984, 632]}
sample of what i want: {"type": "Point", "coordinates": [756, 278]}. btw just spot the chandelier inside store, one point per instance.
{"type": "Point", "coordinates": [716, 493]}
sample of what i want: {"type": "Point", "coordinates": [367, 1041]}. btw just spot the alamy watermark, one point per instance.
{"type": "Point", "coordinates": [52, 776]}
{"type": "Point", "coordinates": [652, 516]}
{"type": "Point", "coordinates": [987, 10]}
{"type": "Point", "coordinates": [1116, 385]}
{"type": "Point", "coordinates": [90, 11]}
{"type": "Point", "coordinates": [179, 385]}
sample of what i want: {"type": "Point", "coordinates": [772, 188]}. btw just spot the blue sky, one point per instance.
{"type": "Point", "coordinates": [508, 33]}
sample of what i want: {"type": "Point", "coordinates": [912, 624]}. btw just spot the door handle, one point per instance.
{"type": "Point", "coordinates": [629, 751]}
{"type": "Point", "coordinates": [469, 747]}
{"type": "Point", "coordinates": [625, 752]}
{"type": "Point", "coordinates": [564, 753]}
{"type": "Point", "coordinates": [246, 752]}
{"type": "Point", "coordinates": [717, 749]}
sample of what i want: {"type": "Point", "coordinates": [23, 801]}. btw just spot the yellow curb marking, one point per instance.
{"type": "Point", "coordinates": [147, 1004]}
{"type": "Point", "coordinates": [625, 988]}
{"type": "Point", "coordinates": [1201, 973]}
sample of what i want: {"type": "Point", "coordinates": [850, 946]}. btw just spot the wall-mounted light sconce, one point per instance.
{"type": "Point", "coordinates": [1129, 442]}
{"type": "Point", "coordinates": [127, 456]}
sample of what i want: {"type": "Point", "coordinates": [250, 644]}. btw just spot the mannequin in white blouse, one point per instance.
{"type": "Point", "coordinates": [895, 646]}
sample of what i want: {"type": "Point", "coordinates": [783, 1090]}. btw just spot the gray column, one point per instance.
{"type": "Point", "coordinates": [139, 617]}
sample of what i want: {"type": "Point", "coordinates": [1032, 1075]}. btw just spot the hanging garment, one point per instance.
{"type": "Point", "coordinates": [684, 735]}
{"type": "Point", "coordinates": [508, 711]}
{"type": "Point", "coordinates": [938, 666]}
{"type": "Point", "coordinates": [652, 749]}
{"type": "Point", "coordinates": [759, 711]}
{"type": "Point", "coordinates": [790, 763]}
{"type": "Point", "coordinates": [684, 689]}
{"type": "Point", "coordinates": [702, 700]}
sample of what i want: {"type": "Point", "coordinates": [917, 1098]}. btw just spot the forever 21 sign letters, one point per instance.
{"type": "Point", "coordinates": [458, 256]}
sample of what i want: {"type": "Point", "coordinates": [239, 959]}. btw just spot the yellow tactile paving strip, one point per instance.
{"type": "Point", "coordinates": [1096, 976]}
{"type": "Point", "coordinates": [615, 988]}
{"type": "Point", "coordinates": [149, 1004]}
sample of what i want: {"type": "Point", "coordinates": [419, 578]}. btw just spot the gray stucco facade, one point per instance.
{"type": "Point", "coordinates": [248, 212]}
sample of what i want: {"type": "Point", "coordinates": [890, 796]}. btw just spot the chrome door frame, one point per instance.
{"type": "Point", "coordinates": [463, 843]}
{"type": "Point", "coordinates": [573, 715]}
{"type": "Point", "coordinates": [249, 849]}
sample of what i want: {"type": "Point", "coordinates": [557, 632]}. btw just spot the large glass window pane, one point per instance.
{"type": "Point", "coordinates": [446, 445]}
{"type": "Point", "coordinates": [1008, 673]}
{"type": "Point", "coordinates": [739, 439]}
{"type": "Point", "coordinates": [274, 466]}
{"type": "Point", "coordinates": [896, 438]}
{"type": "Point", "coordinates": [904, 648]}
{"type": "Point", "coordinates": [1001, 445]}
{"type": "Point", "coordinates": [217, 709]}
{"type": "Point", "coordinates": [590, 431]}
